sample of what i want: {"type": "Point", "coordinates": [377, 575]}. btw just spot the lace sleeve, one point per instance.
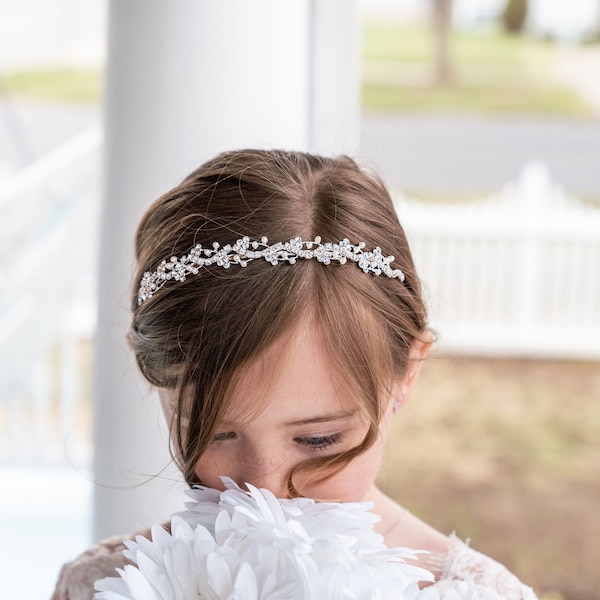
{"type": "Point", "coordinates": [474, 575]}
{"type": "Point", "coordinates": [76, 579]}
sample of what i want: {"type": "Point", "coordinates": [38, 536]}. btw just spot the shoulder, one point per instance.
{"type": "Point", "coordinates": [76, 579]}
{"type": "Point", "coordinates": [475, 575]}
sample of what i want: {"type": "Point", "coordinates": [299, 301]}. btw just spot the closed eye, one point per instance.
{"type": "Point", "coordinates": [224, 436]}
{"type": "Point", "coordinates": [320, 442]}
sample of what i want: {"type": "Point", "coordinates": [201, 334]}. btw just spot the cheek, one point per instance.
{"type": "Point", "coordinates": [352, 483]}
{"type": "Point", "coordinates": [209, 470]}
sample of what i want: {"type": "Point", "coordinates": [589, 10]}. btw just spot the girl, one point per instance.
{"type": "Point", "coordinates": [283, 334]}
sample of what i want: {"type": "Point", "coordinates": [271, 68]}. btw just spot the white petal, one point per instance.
{"type": "Point", "coordinates": [109, 595]}
{"type": "Point", "coordinates": [180, 575]}
{"type": "Point", "coordinates": [220, 578]}
{"type": "Point", "coordinates": [152, 549]}
{"type": "Point", "coordinates": [111, 588]}
{"type": "Point", "coordinates": [156, 576]}
{"type": "Point", "coordinates": [179, 529]}
{"type": "Point", "coordinates": [245, 586]}
{"type": "Point", "coordinates": [137, 585]}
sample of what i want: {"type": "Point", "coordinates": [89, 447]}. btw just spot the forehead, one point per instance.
{"type": "Point", "coordinates": [292, 379]}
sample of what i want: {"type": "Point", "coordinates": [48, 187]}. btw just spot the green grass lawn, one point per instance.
{"type": "Point", "coordinates": [68, 85]}
{"type": "Point", "coordinates": [493, 73]}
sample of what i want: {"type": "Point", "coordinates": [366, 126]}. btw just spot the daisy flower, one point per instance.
{"type": "Point", "coordinates": [249, 545]}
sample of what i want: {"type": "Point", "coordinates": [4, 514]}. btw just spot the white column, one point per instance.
{"type": "Point", "coordinates": [335, 77]}
{"type": "Point", "coordinates": [186, 79]}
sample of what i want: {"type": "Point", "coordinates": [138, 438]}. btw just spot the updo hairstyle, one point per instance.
{"type": "Point", "coordinates": [198, 335]}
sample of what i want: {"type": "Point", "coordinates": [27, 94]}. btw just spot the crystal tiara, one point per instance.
{"type": "Point", "coordinates": [246, 250]}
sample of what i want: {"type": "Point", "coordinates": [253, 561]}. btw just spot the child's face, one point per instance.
{"type": "Point", "coordinates": [287, 408]}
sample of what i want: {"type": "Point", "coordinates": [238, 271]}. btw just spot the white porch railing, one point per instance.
{"type": "Point", "coordinates": [515, 274]}
{"type": "Point", "coordinates": [48, 231]}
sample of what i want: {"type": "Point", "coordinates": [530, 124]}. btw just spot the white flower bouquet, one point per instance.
{"type": "Point", "coordinates": [238, 545]}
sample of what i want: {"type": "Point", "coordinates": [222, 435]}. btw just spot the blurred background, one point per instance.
{"type": "Point", "coordinates": [484, 118]}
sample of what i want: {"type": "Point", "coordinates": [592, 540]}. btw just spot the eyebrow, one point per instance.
{"type": "Point", "coordinates": [338, 416]}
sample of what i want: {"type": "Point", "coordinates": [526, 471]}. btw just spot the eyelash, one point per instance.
{"type": "Point", "coordinates": [223, 437]}
{"type": "Point", "coordinates": [317, 443]}
{"type": "Point", "coordinates": [321, 442]}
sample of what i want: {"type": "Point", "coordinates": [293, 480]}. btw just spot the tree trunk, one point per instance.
{"type": "Point", "coordinates": [442, 17]}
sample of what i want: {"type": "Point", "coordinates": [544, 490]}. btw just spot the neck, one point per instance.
{"type": "Point", "coordinates": [401, 528]}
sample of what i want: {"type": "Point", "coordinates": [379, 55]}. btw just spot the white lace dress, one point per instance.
{"type": "Point", "coordinates": [474, 576]}
{"type": "Point", "coordinates": [463, 573]}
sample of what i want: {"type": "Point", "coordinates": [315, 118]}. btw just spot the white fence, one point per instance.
{"type": "Point", "coordinates": [48, 226]}
{"type": "Point", "coordinates": [515, 274]}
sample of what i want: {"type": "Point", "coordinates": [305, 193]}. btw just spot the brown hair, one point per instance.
{"type": "Point", "coordinates": [197, 336]}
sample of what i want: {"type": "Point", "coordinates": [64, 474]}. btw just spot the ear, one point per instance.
{"type": "Point", "coordinates": [418, 353]}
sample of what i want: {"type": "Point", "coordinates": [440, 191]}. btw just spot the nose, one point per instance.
{"type": "Point", "coordinates": [262, 469]}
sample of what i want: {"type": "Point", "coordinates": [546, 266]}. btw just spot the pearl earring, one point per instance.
{"type": "Point", "coordinates": [396, 405]}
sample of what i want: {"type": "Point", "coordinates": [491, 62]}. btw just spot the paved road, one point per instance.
{"type": "Point", "coordinates": [435, 154]}
{"type": "Point", "coordinates": [438, 154]}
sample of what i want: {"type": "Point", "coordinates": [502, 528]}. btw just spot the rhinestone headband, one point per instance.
{"type": "Point", "coordinates": [246, 250]}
